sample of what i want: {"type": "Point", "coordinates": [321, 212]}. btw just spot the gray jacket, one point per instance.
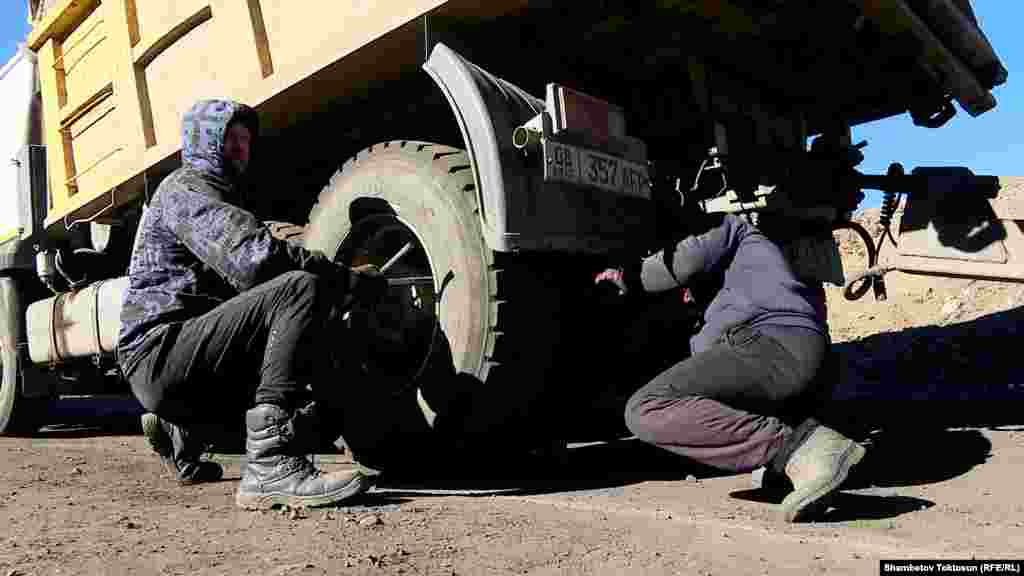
{"type": "Point", "coordinates": [195, 248]}
{"type": "Point", "coordinates": [746, 276]}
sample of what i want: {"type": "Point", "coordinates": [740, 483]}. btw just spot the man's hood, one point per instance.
{"type": "Point", "coordinates": [203, 130]}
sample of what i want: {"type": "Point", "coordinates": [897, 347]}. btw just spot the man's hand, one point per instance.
{"type": "Point", "coordinates": [286, 231]}
{"type": "Point", "coordinates": [615, 277]}
{"type": "Point", "coordinates": [368, 284]}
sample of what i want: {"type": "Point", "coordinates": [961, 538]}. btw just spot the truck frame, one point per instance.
{"type": "Point", "coordinates": [518, 145]}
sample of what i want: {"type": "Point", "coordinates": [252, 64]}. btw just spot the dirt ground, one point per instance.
{"type": "Point", "coordinates": [941, 481]}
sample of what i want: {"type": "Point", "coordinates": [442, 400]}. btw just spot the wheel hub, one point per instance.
{"type": "Point", "coordinates": [396, 335]}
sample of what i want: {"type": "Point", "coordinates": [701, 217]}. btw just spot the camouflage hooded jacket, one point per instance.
{"type": "Point", "coordinates": [194, 247]}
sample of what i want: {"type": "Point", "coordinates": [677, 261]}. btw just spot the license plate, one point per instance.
{"type": "Point", "coordinates": [584, 167]}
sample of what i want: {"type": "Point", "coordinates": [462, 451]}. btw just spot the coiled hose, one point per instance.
{"type": "Point", "coordinates": [872, 277]}
{"type": "Point", "coordinates": [889, 203]}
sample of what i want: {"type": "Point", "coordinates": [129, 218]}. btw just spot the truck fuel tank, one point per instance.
{"type": "Point", "coordinates": [75, 325]}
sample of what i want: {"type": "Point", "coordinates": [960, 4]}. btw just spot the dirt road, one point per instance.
{"type": "Point", "coordinates": [74, 502]}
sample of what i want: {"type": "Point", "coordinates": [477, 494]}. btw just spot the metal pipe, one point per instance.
{"type": "Point", "coordinates": [529, 134]}
{"type": "Point", "coordinates": [410, 280]}
{"type": "Point", "coordinates": [523, 137]}
{"type": "Point", "coordinates": [394, 259]}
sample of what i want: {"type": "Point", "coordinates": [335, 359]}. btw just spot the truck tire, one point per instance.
{"type": "Point", "coordinates": [499, 312]}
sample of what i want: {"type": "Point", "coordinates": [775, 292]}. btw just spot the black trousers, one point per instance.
{"type": "Point", "coordinates": [734, 405]}
{"type": "Point", "coordinates": [262, 346]}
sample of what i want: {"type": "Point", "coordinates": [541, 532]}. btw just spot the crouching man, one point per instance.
{"type": "Point", "coordinates": [221, 318]}
{"type": "Point", "coordinates": [745, 398]}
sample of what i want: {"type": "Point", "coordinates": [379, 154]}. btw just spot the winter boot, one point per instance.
{"type": "Point", "coordinates": [277, 471]}
{"type": "Point", "coordinates": [817, 461]}
{"type": "Point", "coordinates": [179, 450]}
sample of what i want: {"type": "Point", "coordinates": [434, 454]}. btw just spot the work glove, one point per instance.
{"type": "Point", "coordinates": [367, 285]}
{"type": "Point", "coordinates": [615, 277]}
{"type": "Point", "coordinates": [624, 278]}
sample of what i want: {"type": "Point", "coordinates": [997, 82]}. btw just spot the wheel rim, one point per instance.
{"type": "Point", "coordinates": [397, 335]}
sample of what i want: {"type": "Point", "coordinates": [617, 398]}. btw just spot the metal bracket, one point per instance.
{"type": "Point", "coordinates": [933, 116]}
{"type": "Point", "coordinates": [107, 208]}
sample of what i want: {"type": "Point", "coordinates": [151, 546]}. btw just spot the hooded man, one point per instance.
{"type": "Point", "coordinates": [220, 318]}
{"type": "Point", "coordinates": [745, 398]}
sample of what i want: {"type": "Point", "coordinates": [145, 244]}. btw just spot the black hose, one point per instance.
{"type": "Point", "coordinates": [872, 276]}
{"type": "Point", "coordinates": [869, 275]}
{"type": "Point", "coordinates": [73, 285]}
{"type": "Point", "coordinates": [890, 202]}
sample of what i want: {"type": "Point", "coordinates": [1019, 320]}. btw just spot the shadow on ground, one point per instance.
{"type": "Point", "coordinates": [109, 427]}
{"type": "Point", "coordinates": [596, 466]}
{"type": "Point", "coordinates": [86, 417]}
{"type": "Point", "coordinates": [846, 507]}
{"type": "Point", "coordinates": [904, 458]}
{"type": "Point", "coordinates": [895, 458]}
{"type": "Point", "coordinates": [972, 360]}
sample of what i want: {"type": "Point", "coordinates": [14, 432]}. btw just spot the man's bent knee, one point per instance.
{"type": "Point", "coordinates": [637, 414]}
{"type": "Point", "coordinates": [653, 418]}
{"type": "Point", "coordinates": [298, 285]}
{"type": "Point", "coordinates": [300, 280]}
{"type": "Point", "coordinates": [150, 398]}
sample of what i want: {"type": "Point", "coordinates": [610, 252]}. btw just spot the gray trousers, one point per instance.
{"type": "Point", "coordinates": [734, 405]}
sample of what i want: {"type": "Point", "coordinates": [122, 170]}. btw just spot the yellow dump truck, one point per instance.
{"type": "Point", "coordinates": [520, 145]}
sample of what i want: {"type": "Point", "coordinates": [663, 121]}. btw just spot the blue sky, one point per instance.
{"type": "Point", "coordinates": [989, 144]}
{"type": "Point", "coordinates": [13, 28]}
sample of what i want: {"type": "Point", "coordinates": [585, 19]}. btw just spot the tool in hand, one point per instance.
{"type": "Point", "coordinates": [398, 256]}
{"type": "Point", "coordinates": [406, 280]}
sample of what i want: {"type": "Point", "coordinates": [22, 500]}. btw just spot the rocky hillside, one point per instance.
{"type": "Point", "coordinates": [914, 300]}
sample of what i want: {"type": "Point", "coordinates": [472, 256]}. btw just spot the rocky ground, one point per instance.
{"type": "Point", "coordinates": [940, 481]}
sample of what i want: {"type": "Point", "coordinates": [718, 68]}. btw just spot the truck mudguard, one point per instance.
{"type": "Point", "coordinates": [488, 109]}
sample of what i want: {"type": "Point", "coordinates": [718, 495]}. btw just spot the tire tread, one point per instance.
{"type": "Point", "coordinates": [511, 293]}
